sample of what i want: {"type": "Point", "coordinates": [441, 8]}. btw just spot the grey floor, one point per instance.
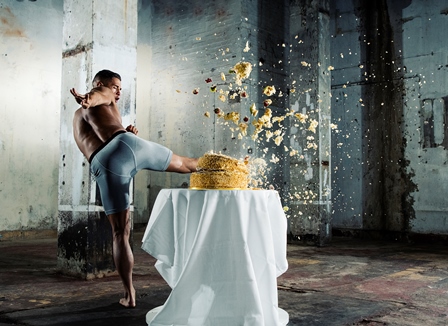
{"type": "Point", "coordinates": [349, 282]}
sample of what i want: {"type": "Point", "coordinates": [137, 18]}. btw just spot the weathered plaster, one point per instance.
{"type": "Point", "coordinates": [30, 65]}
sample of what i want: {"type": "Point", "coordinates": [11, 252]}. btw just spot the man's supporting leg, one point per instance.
{"type": "Point", "coordinates": [123, 256]}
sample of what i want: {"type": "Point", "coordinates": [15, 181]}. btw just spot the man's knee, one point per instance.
{"type": "Point", "coordinates": [121, 224]}
{"type": "Point", "coordinates": [120, 233]}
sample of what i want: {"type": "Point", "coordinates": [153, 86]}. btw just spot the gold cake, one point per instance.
{"type": "Point", "coordinates": [218, 171]}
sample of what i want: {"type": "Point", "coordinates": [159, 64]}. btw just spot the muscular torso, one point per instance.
{"type": "Point", "coordinates": [95, 125]}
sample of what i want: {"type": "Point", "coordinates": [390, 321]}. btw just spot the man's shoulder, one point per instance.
{"type": "Point", "coordinates": [101, 89]}
{"type": "Point", "coordinates": [78, 112]}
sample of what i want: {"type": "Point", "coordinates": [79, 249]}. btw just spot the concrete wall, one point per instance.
{"type": "Point", "coordinates": [389, 101]}
{"type": "Point", "coordinates": [425, 69]}
{"type": "Point", "coordinates": [346, 112]}
{"type": "Point", "coordinates": [30, 69]}
{"type": "Point", "coordinates": [189, 43]}
{"type": "Point", "coordinates": [310, 71]}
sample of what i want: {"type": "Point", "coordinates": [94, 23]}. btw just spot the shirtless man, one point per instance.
{"type": "Point", "coordinates": [115, 155]}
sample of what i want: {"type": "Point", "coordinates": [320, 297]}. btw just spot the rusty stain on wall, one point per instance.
{"type": "Point", "coordinates": [9, 26]}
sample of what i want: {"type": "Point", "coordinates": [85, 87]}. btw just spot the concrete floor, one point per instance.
{"type": "Point", "coordinates": [350, 282]}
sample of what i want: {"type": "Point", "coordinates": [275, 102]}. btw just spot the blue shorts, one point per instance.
{"type": "Point", "coordinates": [118, 160]}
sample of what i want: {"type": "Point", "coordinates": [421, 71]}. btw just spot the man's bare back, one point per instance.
{"type": "Point", "coordinates": [98, 119]}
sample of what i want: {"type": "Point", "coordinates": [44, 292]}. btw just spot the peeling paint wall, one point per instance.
{"type": "Point", "coordinates": [369, 181]}
{"type": "Point", "coordinates": [310, 182]}
{"type": "Point", "coordinates": [189, 43]}
{"type": "Point", "coordinates": [30, 69]}
{"type": "Point", "coordinates": [90, 45]}
{"type": "Point", "coordinates": [389, 101]}
{"type": "Point", "coordinates": [425, 64]}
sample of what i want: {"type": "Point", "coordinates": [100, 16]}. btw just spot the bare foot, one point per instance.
{"type": "Point", "coordinates": [129, 300]}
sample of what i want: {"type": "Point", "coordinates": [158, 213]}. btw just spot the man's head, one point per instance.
{"type": "Point", "coordinates": [108, 79]}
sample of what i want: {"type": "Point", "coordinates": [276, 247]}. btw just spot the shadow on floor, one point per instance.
{"type": "Point", "coordinates": [349, 282]}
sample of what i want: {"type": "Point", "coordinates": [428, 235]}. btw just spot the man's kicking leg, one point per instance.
{"type": "Point", "coordinates": [123, 256]}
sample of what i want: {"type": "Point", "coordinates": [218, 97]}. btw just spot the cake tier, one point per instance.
{"type": "Point", "coordinates": [219, 180]}
{"type": "Point", "coordinates": [220, 162]}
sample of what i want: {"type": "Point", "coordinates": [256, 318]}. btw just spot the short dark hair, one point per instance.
{"type": "Point", "coordinates": [104, 76]}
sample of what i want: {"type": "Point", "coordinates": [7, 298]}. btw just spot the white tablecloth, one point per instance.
{"type": "Point", "coordinates": [221, 252]}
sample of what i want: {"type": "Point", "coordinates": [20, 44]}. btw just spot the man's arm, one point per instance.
{"type": "Point", "coordinates": [97, 96]}
{"type": "Point", "coordinates": [132, 129]}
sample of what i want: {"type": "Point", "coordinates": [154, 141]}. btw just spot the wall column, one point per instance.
{"type": "Point", "coordinates": [96, 35]}
{"type": "Point", "coordinates": [310, 177]}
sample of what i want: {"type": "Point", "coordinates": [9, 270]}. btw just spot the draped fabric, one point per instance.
{"type": "Point", "coordinates": [221, 252]}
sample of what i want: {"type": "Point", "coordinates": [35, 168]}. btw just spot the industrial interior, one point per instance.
{"type": "Point", "coordinates": [357, 148]}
